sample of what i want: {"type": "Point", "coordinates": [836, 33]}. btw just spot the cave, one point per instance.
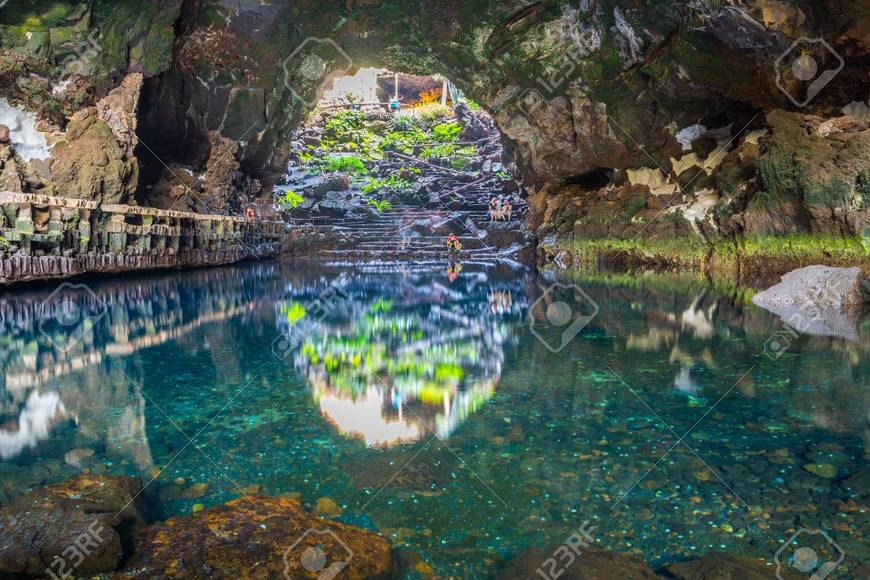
{"type": "Point", "coordinates": [459, 289]}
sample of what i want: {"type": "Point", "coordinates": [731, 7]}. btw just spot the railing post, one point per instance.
{"type": "Point", "coordinates": [24, 226]}
{"type": "Point", "coordinates": [117, 233]}
{"type": "Point", "coordinates": [84, 230]}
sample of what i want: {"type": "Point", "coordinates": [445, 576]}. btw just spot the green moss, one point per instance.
{"type": "Point", "coordinates": [818, 248]}
{"type": "Point", "coordinates": [791, 249]}
{"type": "Point", "coordinates": [670, 249]}
{"type": "Point", "coordinates": [155, 53]}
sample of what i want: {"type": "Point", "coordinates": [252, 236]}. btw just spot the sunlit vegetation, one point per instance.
{"type": "Point", "coordinates": [289, 200]}
{"type": "Point", "coordinates": [346, 164]}
{"type": "Point", "coordinates": [380, 205]}
{"type": "Point", "coordinates": [392, 184]}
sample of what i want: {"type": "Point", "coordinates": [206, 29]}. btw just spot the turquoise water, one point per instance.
{"type": "Point", "coordinates": [431, 410]}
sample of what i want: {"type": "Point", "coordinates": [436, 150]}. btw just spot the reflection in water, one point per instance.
{"type": "Point", "coordinates": [404, 357]}
{"type": "Point", "coordinates": [44, 386]}
{"type": "Point", "coordinates": [40, 413]}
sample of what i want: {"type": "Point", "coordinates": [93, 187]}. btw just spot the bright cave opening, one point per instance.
{"type": "Point", "coordinates": [393, 165]}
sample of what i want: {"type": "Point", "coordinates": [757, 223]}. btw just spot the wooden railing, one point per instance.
{"type": "Point", "coordinates": [48, 237]}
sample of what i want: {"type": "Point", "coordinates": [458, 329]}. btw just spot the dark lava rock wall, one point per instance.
{"type": "Point", "coordinates": [580, 87]}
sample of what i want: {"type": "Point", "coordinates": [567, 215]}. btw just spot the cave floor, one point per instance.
{"type": "Point", "coordinates": [466, 416]}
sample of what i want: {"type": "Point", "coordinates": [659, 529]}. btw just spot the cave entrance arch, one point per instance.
{"type": "Point", "coordinates": [395, 165]}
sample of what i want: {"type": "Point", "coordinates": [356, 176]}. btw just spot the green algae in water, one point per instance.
{"type": "Point", "coordinates": [539, 442]}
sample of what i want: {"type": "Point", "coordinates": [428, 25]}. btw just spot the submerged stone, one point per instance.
{"type": "Point", "coordinates": [257, 537]}
{"type": "Point", "coordinates": [721, 566]}
{"type": "Point", "coordinates": [589, 564]}
{"type": "Point", "coordinates": [73, 526]}
{"type": "Point", "coordinates": [818, 300]}
{"type": "Point", "coordinates": [825, 470]}
{"type": "Point", "coordinates": [327, 507]}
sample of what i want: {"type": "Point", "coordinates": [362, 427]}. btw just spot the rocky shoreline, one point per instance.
{"type": "Point", "coordinates": [98, 525]}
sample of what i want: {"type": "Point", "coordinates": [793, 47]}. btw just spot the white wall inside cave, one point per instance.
{"type": "Point", "coordinates": [29, 143]}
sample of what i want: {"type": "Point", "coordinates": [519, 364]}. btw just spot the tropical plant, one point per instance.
{"type": "Point", "coordinates": [392, 184]}
{"type": "Point", "coordinates": [345, 122]}
{"type": "Point", "coordinates": [404, 121]}
{"type": "Point", "coordinates": [344, 164]}
{"type": "Point", "coordinates": [447, 132]}
{"type": "Point", "coordinates": [444, 150]}
{"type": "Point", "coordinates": [403, 141]}
{"type": "Point", "coordinates": [305, 157]}
{"type": "Point", "coordinates": [380, 205]}
{"type": "Point", "coordinates": [433, 112]}
{"type": "Point", "coordinates": [289, 200]}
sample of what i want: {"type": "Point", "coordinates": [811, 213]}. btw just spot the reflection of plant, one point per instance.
{"type": "Point", "coordinates": [289, 200]}
{"type": "Point", "coordinates": [415, 355]}
{"type": "Point", "coordinates": [449, 372]}
{"type": "Point", "coordinates": [294, 312]}
{"type": "Point", "coordinates": [381, 305]}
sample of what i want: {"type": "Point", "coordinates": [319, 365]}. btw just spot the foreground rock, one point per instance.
{"type": "Point", "coordinates": [592, 563]}
{"type": "Point", "coordinates": [70, 527]}
{"type": "Point", "coordinates": [819, 300]}
{"type": "Point", "coordinates": [260, 537]}
{"type": "Point", "coordinates": [719, 566]}
{"type": "Point", "coordinates": [822, 286]}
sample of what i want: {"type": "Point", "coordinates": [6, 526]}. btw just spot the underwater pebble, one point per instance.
{"type": "Point", "coordinates": [825, 470]}
{"type": "Point", "coordinates": [327, 507]}
{"type": "Point", "coordinates": [424, 568]}
{"type": "Point", "coordinates": [196, 490]}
